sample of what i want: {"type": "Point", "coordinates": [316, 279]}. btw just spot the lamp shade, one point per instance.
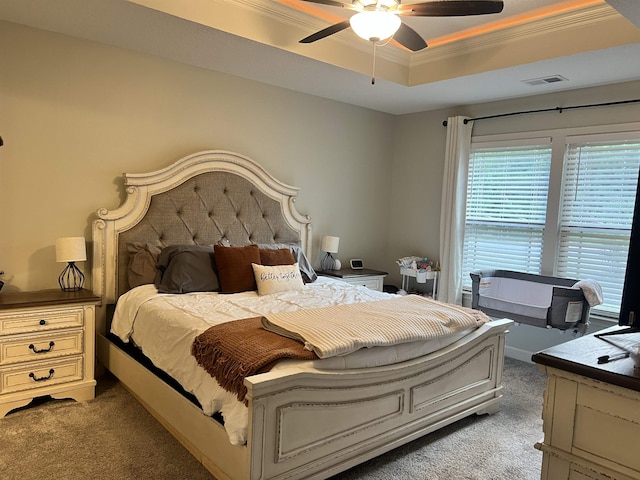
{"type": "Point", "coordinates": [71, 249]}
{"type": "Point", "coordinates": [330, 244]}
{"type": "Point", "coordinates": [375, 25]}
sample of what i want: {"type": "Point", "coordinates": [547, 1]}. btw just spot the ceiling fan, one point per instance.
{"type": "Point", "coordinates": [378, 20]}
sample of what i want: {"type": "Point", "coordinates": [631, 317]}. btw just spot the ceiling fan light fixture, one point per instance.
{"type": "Point", "coordinates": [375, 25]}
{"type": "Point", "coordinates": [387, 4]}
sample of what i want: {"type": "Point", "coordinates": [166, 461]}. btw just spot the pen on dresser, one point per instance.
{"type": "Point", "coordinates": [611, 358]}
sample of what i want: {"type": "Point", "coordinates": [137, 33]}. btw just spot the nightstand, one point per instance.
{"type": "Point", "coordinates": [47, 346]}
{"type": "Point", "coordinates": [373, 279]}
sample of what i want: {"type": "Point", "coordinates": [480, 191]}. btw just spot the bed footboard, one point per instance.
{"type": "Point", "coordinates": [311, 424]}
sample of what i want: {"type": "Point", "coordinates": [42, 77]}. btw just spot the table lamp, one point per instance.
{"type": "Point", "coordinates": [71, 250]}
{"type": "Point", "coordinates": [329, 246]}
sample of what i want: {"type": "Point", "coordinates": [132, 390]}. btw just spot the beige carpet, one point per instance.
{"type": "Point", "coordinates": [113, 437]}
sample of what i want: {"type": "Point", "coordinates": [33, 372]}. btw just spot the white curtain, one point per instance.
{"type": "Point", "coordinates": [452, 213]}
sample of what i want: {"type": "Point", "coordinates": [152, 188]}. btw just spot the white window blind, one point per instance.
{"type": "Point", "coordinates": [506, 206]}
{"type": "Point", "coordinates": [597, 202]}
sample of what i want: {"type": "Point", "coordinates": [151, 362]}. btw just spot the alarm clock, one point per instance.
{"type": "Point", "coordinates": [356, 264]}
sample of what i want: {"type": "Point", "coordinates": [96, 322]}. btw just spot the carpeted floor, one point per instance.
{"type": "Point", "coordinates": [113, 437]}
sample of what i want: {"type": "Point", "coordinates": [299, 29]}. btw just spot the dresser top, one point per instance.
{"type": "Point", "coordinates": [43, 298]}
{"type": "Point", "coordinates": [351, 273]}
{"type": "Point", "coordinates": [580, 356]}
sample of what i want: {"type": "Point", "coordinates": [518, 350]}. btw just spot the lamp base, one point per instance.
{"type": "Point", "coordinates": [71, 279]}
{"type": "Point", "coordinates": [328, 262]}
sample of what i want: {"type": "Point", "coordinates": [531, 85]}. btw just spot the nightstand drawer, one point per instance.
{"type": "Point", "coordinates": [41, 320]}
{"type": "Point", "coordinates": [369, 282]}
{"type": "Point", "coordinates": [372, 282]}
{"type": "Point", "coordinates": [40, 374]}
{"type": "Point", "coordinates": [366, 277]}
{"type": "Point", "coordinates": [30, 348]}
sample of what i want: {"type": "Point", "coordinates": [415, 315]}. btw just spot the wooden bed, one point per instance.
{"type": "Point", "coordinates": [303, 422]}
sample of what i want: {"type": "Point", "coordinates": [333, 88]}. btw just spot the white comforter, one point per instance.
{"type": "Point", "coordinates": [164, 326]}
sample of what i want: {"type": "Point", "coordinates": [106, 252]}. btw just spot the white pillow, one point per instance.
{"type": "Point", "coordinates": [277, 278]}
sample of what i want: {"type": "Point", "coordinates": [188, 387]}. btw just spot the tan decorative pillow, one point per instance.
{"type": "Point", "coordinates": [277, 278]}
{"type": "Point", "coordinates": [279, 256]}
{"type": "Point", "coordinates": [234, 267]}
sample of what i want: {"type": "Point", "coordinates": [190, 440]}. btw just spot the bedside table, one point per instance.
{"type": "Point", "coordinates": [47, 346]}
{"type": "Point", "coordinates": [373, 279]}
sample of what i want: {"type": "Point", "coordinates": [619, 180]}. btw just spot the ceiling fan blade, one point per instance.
{"type": "Point", "coordinates": [332, 3]}
{"type": "Point", "coordinates": [408, 37]}
{"type": "Point", "coordinates": [451, 8]}
{"type": "Point", "coordinates": [338, 27]}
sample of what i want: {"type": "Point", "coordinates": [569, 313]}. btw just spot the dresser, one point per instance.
{"type": "Point", "coordinates": [47, 343]}
{"type": "Point", "coordinates": [591, 410]}
{"type": "Point", "coordinates": [367, 277]}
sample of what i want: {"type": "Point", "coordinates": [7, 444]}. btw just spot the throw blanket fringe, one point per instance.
{"type": "Point", "coordinates": [232, 351]}
{"type": "Point", "coordinates": [343, 329]}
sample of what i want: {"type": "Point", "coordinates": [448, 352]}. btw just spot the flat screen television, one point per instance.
{"type": "Point", "coordinates": [630, 306]}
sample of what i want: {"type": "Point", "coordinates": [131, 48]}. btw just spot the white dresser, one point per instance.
{"type": "Point", "coordinates": [367, 277]}
{"type": "Point", "coordinates": [47, 341]}
{"type": "Point", "coordinates": [591, 412]}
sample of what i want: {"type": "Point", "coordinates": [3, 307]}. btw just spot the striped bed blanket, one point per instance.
{"type": "Point", "coordinates": [343, 329]}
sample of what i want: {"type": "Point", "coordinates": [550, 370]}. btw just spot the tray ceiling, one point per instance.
{"type": "Point", "coordinates": [469, 59]}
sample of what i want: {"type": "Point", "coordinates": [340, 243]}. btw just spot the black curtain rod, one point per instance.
{"type": "Point", "coordinates": [555, 109]}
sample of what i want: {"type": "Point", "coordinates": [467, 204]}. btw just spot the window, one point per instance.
{"type": "Point", "coordinates": [506, 206]}
{"type": "Point", "coordinates": [598, 197]}
{"type": "Point", "coordinates": [560, 205]}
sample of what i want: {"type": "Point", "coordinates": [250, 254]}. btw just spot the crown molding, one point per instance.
{"type": "Point", "coordinates": [590, 15]}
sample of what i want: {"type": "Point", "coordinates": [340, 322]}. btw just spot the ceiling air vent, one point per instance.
{"type": "Point", "coordinates": [545, 80]}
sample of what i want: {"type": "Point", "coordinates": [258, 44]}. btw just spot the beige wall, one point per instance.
{"type": "Point", "coordinates": [75, 115]}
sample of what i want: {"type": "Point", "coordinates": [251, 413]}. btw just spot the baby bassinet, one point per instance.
{"type": "Point", "coordinates": [536, 300]}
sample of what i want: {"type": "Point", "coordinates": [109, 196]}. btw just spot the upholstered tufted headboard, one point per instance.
{"type": "Point", "coordinates": [201, 199]}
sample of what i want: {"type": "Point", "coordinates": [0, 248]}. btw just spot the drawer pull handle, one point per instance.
{"type": "Point", "coordinates": [41, 379]}
{"type": "Point", "coordinates": [43, 322]}
{"type": "Point", "coordinates": [42, 350]}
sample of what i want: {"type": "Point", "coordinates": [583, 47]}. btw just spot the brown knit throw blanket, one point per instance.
{"type": "Point", "coordinates": [232, 351]}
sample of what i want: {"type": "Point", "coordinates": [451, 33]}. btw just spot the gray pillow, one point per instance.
{"type": "Point", "coordinates": [143, 258]}
{"type": "Point", "coordinates": [187, 268]}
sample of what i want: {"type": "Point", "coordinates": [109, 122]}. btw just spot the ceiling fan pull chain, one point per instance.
{"type": "Point", "coordinates": [373, 71]}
